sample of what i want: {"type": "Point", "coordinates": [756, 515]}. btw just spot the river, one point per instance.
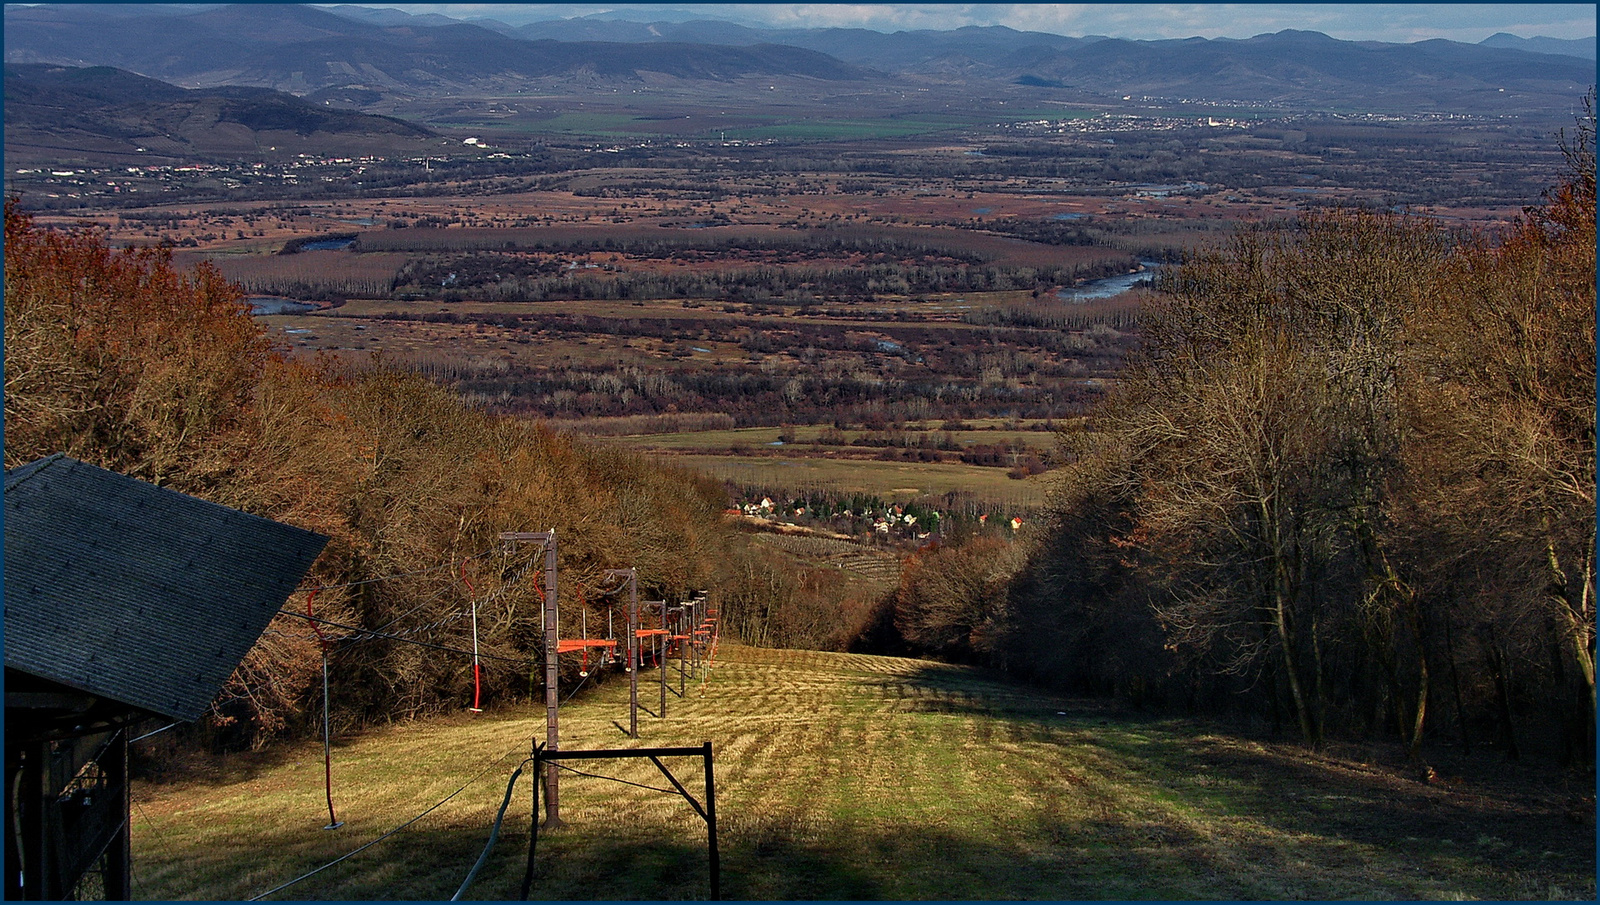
{"type": "Point", "coordinates": [267, 304]}
{"type": "Point", "coordinates": [1110, 286]}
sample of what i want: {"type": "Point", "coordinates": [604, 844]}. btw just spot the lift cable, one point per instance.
{"type": "Point", "coordinates": [356, 630]}
{"type": "Point", "coordinates": [365, 581]}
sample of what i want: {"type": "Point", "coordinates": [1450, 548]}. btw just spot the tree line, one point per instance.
{"type": "Point", "coordinates": [1346, 485]}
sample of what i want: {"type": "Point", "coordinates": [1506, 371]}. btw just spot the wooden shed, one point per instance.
{"type": "Point", "coordinates": [124, 602]}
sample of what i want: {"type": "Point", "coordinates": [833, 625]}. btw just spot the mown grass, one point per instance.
{"type": "Point", "coordinates": [855, 777]}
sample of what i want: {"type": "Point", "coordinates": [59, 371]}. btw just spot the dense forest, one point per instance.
{"type": "Point", "coordinates": [1346, 484]}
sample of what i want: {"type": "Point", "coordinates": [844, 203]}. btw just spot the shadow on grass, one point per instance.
{"type": "Point", "coordinates": [1040, 854]}
{"type": "Point", "coordinates": [578, 863]}
{"type": "Point", "coordinates": [1521, 819]}
{"type": "Point", "coordinates": [1171, 809]}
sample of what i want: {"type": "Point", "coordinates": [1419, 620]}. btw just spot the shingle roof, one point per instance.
{"type": "Point", "coordinates": [134, 592]}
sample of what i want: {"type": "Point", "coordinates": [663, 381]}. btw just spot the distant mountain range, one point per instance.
{"type": "Point", "coordinates": [1572, 47]}
{"type": "Point", "coordinates": [360, 52]}
{"type": "Point", "coordinates": [301, 49]}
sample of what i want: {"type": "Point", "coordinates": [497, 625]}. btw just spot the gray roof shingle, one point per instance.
{"type": "Point", "coordinates": [134, 592]}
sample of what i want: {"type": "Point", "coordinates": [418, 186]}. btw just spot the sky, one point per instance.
{"type": "Point", "coordinates": [1392, 22]}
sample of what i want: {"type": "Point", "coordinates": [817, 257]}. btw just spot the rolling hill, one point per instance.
{"type": "Point", "coordinates": [56, 111]}
{"type": "Point", "coordinates": [303, 49]}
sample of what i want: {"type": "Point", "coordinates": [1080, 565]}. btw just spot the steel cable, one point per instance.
{"type": "Point", "coordinates": [353, 852]}
{"type": "Point", "coordinates": [625, 782]}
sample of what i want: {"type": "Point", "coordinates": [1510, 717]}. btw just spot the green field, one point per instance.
{"type": "Point", "coordinates": [752, 125]}
{"type": "Point", "coordinates": [899, 481]}
{"type": "Point", "coordinates": [849, 129]}
{"type": "Point", "coordinates": [805, 434]}
{"type": "Point", "coordinates": [856, 777]}
{"type": "Point", "coordinates": [600, 125]}
{"type": "Point", "coordinates": [888, 126]}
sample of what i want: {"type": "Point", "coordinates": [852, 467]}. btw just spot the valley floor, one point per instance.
{"type": "Point", "coordinates": [858, 777]}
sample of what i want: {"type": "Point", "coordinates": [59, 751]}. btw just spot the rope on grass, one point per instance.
{"type": "Point", "coordinates": [353, 852]}
{"type": "Point", "coordinates": [494, 833]}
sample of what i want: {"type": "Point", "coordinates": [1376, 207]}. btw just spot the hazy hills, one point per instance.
{"type": "Point", "coordinates": [301, 49]}
{"type": "Point", "coordinates": [1295, 68]}
{"type": "Point", "coordinates": [355, 55]}
{"type": "Point", "coordinates": [1575, 47]}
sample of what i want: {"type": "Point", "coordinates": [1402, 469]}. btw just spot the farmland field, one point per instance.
{"type": "Point", "coordinates": [874, 269]}
{"type": "Point", "coordinates": [854, 777]}
{"type": "Point", "coordinates": [892, 480]}
{"type": "Point", "coordinates": [829, 343]}
{"type": "Point", "coordinates": [691, 441]}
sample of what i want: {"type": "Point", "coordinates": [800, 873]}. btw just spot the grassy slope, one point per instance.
{"type": "Point", "coordinates": [854, 777]}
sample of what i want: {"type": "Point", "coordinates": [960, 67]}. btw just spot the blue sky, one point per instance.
{"type": "Point", "coordinates": [1396, 22]}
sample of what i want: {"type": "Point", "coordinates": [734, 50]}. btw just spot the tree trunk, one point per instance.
{"type": "Point", "coordinates": [1577, 612]}
{"type": "Point", "coordinates": [1280, 622]}
{"type": "Point", "coordinates": [1499, 670]}
{"type": "Point", "coordinates": [1283, 594]}
{"type": "Point", "coordinates": [1320, 712]}
{"type": "Point", "coordinates": [1414, 741]}
{"type": "Point", "coordinates": [1455, 686]}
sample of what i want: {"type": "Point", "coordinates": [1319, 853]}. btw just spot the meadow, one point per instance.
{"type": "Point", "coordinates": [985, 488]}
{"type": "Point", "coordinates": [842, 776]}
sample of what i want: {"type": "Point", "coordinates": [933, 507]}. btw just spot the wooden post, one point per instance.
{"type": "Point", "coordinates": [633, 654]}
{"type": "Point", "coordinates": [683, 651]}
{"type": "Point", "coordinates": [552, 679]}
{"type": "Point", "coordinates": [661, 660]}
{"type": "Point", "coordinates": [37, 806]}
{"type": "Point", "coordinates": [552, 671]}
{"type": "Point", "coordinates": [119, 855]}
{"type": "Point", "coordinates": [633, 647]}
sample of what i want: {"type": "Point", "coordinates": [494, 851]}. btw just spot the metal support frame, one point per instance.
{"type": "Point", "coordinates": [707, 811]}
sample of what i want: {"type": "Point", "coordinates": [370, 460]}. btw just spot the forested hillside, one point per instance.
{"type": "Point", "coordinates": [1347, 484]}
{"type": "Point", "coordinates": [120, 359]}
